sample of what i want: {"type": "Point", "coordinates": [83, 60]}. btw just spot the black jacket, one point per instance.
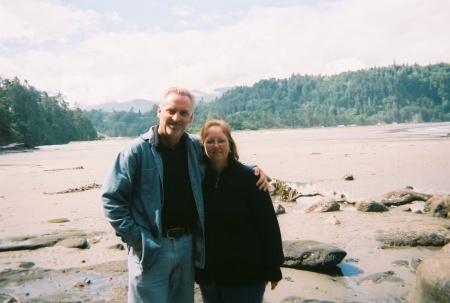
{"type": "Point", "coordinates": [243, 241]}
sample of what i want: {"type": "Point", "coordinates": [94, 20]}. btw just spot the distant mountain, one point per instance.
{"type": "Point", "coordinates": [207, 97]}
{"type": "Point", "coordinates": [146, 105]}
{"type": "Point", "coordinates": [135, 104]}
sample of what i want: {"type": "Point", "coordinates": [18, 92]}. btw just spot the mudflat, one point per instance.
{"type": "Point", "coordinates": [52, 191]}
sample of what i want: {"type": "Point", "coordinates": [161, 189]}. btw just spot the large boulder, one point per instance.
{"type": "Point", "coordinates": [311, 255]}
{"type": "Point", "coordinates": [439, 206]}
{"type": "Point", "coordinates": [432, 280]}
{"type": "Point", "coordinates": [420, 235]}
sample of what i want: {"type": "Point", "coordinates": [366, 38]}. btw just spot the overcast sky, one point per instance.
{"type": "Point", "coordinates": [95, 51]}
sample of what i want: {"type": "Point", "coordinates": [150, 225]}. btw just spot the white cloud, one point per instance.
{"type": "Point", "coordinates": [115, 17]}
{"type": "Point", "coordinates": [41, 21]}
{"type": "Point", "coordinates": [180, 11]}
{"type": "Point", "coordinates": [273, 42]}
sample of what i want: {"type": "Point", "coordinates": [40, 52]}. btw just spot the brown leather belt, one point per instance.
{"type": "Point", "coordinates": [177, 232]}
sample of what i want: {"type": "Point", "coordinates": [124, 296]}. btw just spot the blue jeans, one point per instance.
{"type": "Point", "coordinates": [171, 277]}
{"type": "Point", "coordinates": [244, 294]}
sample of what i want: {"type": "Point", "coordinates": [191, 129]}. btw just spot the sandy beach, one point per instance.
{"type": "Point", "coordinates": [40, 185]}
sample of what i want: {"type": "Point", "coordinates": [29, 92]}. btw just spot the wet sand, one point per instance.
{"type": "Point", "coordinates": [381, 158]}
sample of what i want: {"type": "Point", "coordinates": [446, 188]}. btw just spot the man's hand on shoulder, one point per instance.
{"type": "Point", "coordinates": [262, 182]}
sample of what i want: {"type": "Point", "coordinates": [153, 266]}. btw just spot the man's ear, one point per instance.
{"type": "Point", "coordinates": [159, 112]}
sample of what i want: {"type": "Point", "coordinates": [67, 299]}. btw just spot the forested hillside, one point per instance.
{"type": "Point", "coordinates": [378, 95]}
{"type": "Point", "coordinates": [397, 93]}
{"type": "Point", "coordinates": [34, 118]}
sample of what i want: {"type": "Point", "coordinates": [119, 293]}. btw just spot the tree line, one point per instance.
{"type": "Point", "coordinates": [34, 118]}
{"type": "Point", "coordinates": [393, 94]}
{"type": "Point", "coordinates": [397, 93]}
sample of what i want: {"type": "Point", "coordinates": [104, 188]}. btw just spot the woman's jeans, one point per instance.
{"type": "Point", "coordinates": [244, 294]}
{"type": "Point", "coordinates": [171, 277]}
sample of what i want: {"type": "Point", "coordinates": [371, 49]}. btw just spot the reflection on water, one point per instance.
{"type": "Point", "coordinates": [349, 270]}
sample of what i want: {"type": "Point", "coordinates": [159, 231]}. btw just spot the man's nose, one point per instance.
{"type": "Point", "coordinates": [176, 117]}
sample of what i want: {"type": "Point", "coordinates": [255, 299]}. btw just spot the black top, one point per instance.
{"type": "Point", "coordinates": [243, 241]}
{"type": "Point", "coordinates": [179, 205]}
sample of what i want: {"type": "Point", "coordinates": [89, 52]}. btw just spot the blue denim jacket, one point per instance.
{"type": "Point", "coordinates": [132, 196]}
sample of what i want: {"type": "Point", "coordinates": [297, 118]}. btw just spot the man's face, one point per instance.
{"type": "Point", "coordinates": [175, 114]}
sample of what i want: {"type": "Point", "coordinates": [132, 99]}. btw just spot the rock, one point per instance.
{"type": "Point", "coordinates": [325, 205]}
{"type": "Point", "coordinates": [414, 263]}
{"type": "Point", "coordinates": [332, 220]}
{"type": "Point", "coordinates": [79, 242]}
{"type": "Point", "coordinates": [349, 177]}
{"type": "Point", "coordinates": [421, 235]}
{"type": "Point", "coordinates": [280, 210]}
{"type": "Point", "coordinates": [311, 255]}
{"type": "Point", "coordinates": [35, 242]}
{"type": "Point", "coordinates": [400, 263]}
{"type": "Point", "coordinates": [377, 278]}
{"type": "Point", "coordinates": [432, 280]}
{"type": "Point", "coordinates": [26, 264]}
{"type": "Point", "coordinates": [58, 220]}
{"type": "Point", "coordinates": [371, 206]}
{"type": "Point", "coordinates": [9, 298]}
{"type": "Point", "coordinates": [439, 206]}
{"type": "Point", "coordinates": [118, 246]}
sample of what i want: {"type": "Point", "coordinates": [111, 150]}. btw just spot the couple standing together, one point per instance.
{"type": "Point", "coordinates": [188, 209]}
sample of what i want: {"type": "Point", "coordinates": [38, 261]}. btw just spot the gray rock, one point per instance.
{"type": "Point", "coordinates": [78, 242]}
{"type": "Point", "coordinates": [325, 205]}
{"type": "Point", "coordinates": [35, 242]}
{"type": "Point", "coordinates": [26, 264]}
{"type": "Point", "coordinates": [379, 277]}
{"type": "Point", "coordinates": [332, 220]}
{"type": "Point", "coordinates": [432, 280]}
{"type": "Point", "coordinates": [421, 235]}
{"type": "Point", "coordinates": [349, 177]}
{"type": "Point", "coordinates": [311, 255]}
{"type": "Point", "coordinates": [439, 206]}
{"type": "Point", "coordinates": [58, 220]}
{"type": "Point", "coordinates": [280, 210]}
{"type": "Point", "coordinates": [414, 263]}
{"type": "Point", "coordinates": [371, 206]}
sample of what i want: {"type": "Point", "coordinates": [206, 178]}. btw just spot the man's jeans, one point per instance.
{"type": "Point", "coordinates": [170, 279]}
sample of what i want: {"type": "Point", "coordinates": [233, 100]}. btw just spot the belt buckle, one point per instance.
{"type": "Point", "coordinates": [177, 230]}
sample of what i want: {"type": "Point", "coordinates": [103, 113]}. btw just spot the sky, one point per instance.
{"type": "Point", "coordinates": [97, 51]}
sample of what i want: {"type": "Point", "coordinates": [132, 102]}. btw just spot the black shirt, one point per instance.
{"type": "Point", "coordinates": [179, 205]}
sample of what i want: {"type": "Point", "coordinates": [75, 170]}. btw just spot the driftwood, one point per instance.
{"type": "Point", "coordinates": [76, 189]}
{"type": "Point", "coordinates": [56, 169]}
{"type": "Point", "coordinates": [396, 198]}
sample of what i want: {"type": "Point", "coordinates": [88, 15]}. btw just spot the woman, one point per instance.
{"type": "Point", "coordinates": [243, 241]}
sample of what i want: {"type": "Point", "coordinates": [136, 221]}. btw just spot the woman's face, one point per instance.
{"type": "Point", "coordinates": [217, 146]}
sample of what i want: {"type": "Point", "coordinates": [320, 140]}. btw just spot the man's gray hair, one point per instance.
{"type": "Point", "coordinates": [179, 91]}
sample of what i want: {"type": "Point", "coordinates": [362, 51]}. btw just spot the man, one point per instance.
{"type": "Point", "coordinates": [152, 196]}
